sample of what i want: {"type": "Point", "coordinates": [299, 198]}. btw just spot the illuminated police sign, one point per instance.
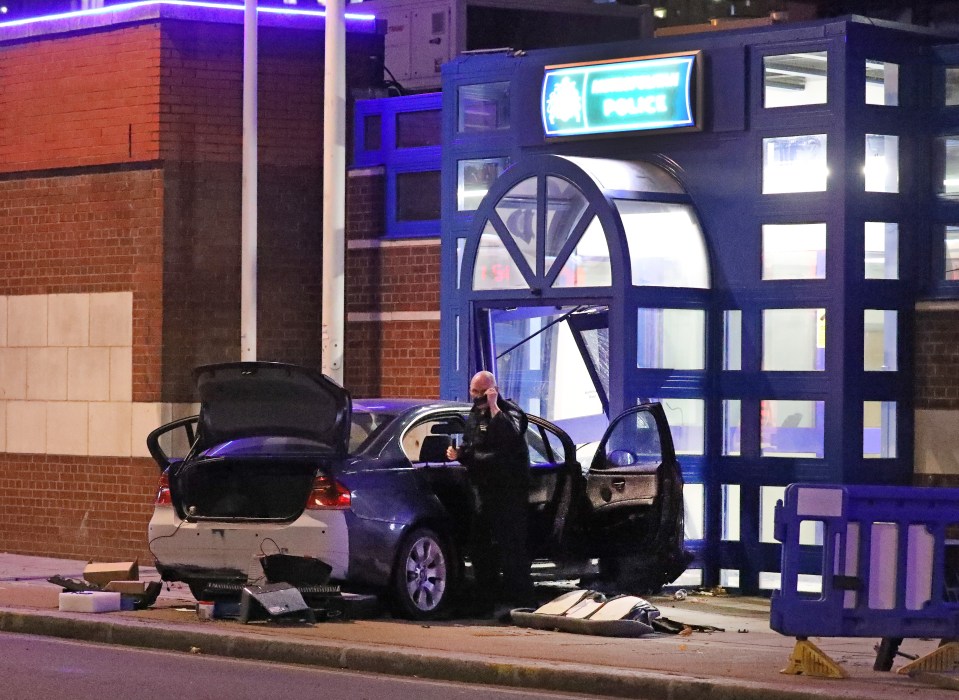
{"type": "Point", "coordinates": [634, 94]}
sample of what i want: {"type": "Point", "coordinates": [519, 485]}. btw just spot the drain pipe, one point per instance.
{"type": "Point", "coordinates": [334, 190]}
{"type": "Point", "coordinates": [248, 187]}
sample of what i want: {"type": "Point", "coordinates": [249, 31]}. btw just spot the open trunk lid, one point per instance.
{"type": "Point", "coordinates": [250, 399]}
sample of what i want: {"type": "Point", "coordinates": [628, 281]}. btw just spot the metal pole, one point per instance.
{"type": "Point", "coordinates": [334, 189]}
{"type": "Point", "coordinates": [249, 193]}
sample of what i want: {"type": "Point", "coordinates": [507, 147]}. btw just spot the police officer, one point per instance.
{"type": "Point", "coordinates": [496, 457]}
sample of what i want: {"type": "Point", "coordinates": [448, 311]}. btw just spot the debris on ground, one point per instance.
{"type": "Point", "coordinates": [107, 587]}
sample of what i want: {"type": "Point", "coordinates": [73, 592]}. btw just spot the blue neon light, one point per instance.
{"type": "Point", "coordinates": [126, 7]}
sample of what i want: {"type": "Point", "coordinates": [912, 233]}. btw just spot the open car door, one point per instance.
{"type": "Point", "coordinates": [634, 491]}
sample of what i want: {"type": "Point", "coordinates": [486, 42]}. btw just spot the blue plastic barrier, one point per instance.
{"type": "Point", "coordinates": [888, 558]}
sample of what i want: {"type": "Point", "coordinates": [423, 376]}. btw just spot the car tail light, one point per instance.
{"type": "Point", "coordinates": [163, 491]}
{"type": "Point", "coordinates": [328, 493]}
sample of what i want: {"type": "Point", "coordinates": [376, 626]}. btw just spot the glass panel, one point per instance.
{"type": "Point", "coordinates": [474, 178]}
{"type": "Point", "coordinates": [732, 409]}
{"type": "Point", "coordinates": [794, 251]}
{"type": "Point", "coordinates": [373, 132]}
{"type": "Point", "coordinates": [952, 253]}
{"type": "Point", "coordinates": [794, 340]}
{"type": "Point", "coordinates": [882, 250]}
{"type": "Point", "coordinates": [949, 157]}
{"type": "Point", "coordinates": [880, 328]}
{"type": "Point", "coordinates": [419, 129]}
{"type": "Point", "coordinates": [635, 437]}
{"type": "Point", "coordinates": [882, 163]}
{"type": "Point", "coordinates": [597, 347]}
{"type": "Point", "coordinates": [418, 196]}
{"type": "Point", "coordinates": [690, 577]}
{"type": "Point", "coordinates": [731, 511]}
{"type": "Point", "coordinates": [494, 267]}
{"type": "Point", "coordinates": [770, 580]}
{"type": "Point", "coordinates": [686, 424]}
{"type": "Point", "coordinates": [671, 338]}
{"type": "Point", "coordinates": [733, 339]}
{"type": "Point", "coordinates": [694, 496]}
{"type": "Point", "coordinates": [882, 83]}
{"type": "Point", "coordinates": [768, 495]}
{"type": "Point", "coordinates": [483, 107]}
{"type": "Point", "coordinates": [666, 245]}
{"type": "Point", "coordinates": [794, 79]}
{"type": "Point", "coordinates": [518, 209]}
{"type": "Point", "coordinates": [878, 429]}
{"type": "Point", "coordinates": [539, 365]}
{"type": "Point", "coordinates": [791, 429]}
{"type": "Point", "coordinates": [588, 264]}
{"type": "Point", "coordinates": [729, 578]}
{"type": "Point", "coordinates": [952, 86]}
{"type": "Point", "coordinates": [565, 205]}
{"type": "Point", "coordinates": [795, 164]}
{"type": "Point", "coordinates": [460, 249]}
{"type": "Point", "coordinates": [628, 176]}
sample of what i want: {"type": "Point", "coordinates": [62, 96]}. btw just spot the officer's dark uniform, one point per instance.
{"type": "Point", "coordinates": [496, 456]}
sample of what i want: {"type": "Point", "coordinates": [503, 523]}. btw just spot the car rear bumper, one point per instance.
{"type": "Point", "coordinates": [230, 551]}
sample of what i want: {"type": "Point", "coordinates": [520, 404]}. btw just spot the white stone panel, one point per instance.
{"type": "Point", "coordinates": [88, 374]}
{"type": "Point", "coordinates": [67, 427]}
{"type": "Point", "coordinates": [27, 321]}
{"type": "Point", "coordinates": [937, 442]}
{"type": "Point", "coordinates": [121, 374]}
{"type": "Point", "coordinates": [26, 426]}
{"type": "Point", "coordinates": [111, 319]}
{"type": "Point", "coordinates": [13, 373]}
{"type": "Point", "coordinates": [47, 374]}
{"type": "Point", "coordinates": [68, 320]}
{"type": "Point", "coordinates": [110, 428]}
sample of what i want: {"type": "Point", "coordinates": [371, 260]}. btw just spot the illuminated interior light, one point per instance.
{"type": "Point", "coordinates": [659, 13]}
{"type": "Point", "coordinates": [127, 7]}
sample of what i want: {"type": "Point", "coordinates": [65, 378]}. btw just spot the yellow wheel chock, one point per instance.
{"type": "Point", "coordinates": [945, 659]}
{"type": "Point", "coordinates": [809, 660]}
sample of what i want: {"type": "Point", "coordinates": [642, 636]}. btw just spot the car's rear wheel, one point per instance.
{"type": "Point", "coordinates": [424, 577]}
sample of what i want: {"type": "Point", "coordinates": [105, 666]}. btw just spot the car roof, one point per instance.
{"type": "Point", "coordinates": [394, 405]}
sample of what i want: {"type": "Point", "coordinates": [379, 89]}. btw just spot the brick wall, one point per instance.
{"type": "Point", "coordinates": [937, 359]}
{"type": "Point", "coordinates": [97, 232]}
{"type": "Point", "coordinates": [76, 507]}
{"type": "Point", "coordinates": [392, 293]}
{"type": "Point", "coordinates": [61, 105]}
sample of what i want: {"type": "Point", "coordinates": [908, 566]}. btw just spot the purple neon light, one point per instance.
{"type": "Point", "coordinates": [182, 3]}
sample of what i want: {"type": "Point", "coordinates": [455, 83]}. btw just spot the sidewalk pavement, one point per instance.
{"type": "Point", "coordinates": [740, 663]}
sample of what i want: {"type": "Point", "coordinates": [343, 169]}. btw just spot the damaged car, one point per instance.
{"type": "Point", "coordinates": [281, 460]}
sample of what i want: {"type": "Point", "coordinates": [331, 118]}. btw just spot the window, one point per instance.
{"type": "Point", "coordinates": [794, 164]}
{"type": "Point", "coordinates": [494, 268]}
{"type": "Point", "coordinates": [419, 129]}
{"type": "Point", "coordinates": [949, 160]}
{"type": "Point", "coordinates": [473, 180]}
{"type": "Point", "coordinates": [791, 429]}
{"type": "Point", "coordinates": [952, 87]}
{"type": "Point", "coordinates": [882, 83]}
{"type": "Point", "coordinates": [882, 250]}
{"type": "Point", "coordinates": [483, 107]}
{"type": "Point", "coordinates": [732, 410]}
{"type": "Point", "coordinates": [671, 338]}
{"type": "Point", "coordinates": [878, 429]}
{"type": "Point", "coordinates": [732, 339]}
{"type": "Point", "coordinates": [794, 79]}
{"type": "Point", "coordinates": [952, 253]}
{"type": "Point", "coordinates": [666, 246]}
{"type": "Point", "coordinates": [882, 163]}
{"type": "Point", "coordinates": [731, 511]}
{"type": "Point", "coordinates": [794, 340]}
{"type": "Point", "coordinates": [418, 196]}
{"type": "Point", "coordinates": [588, 264]}
{"type": "Point", "coordinates": [694, 497]}
{"type": "Point", "coordinates": [686, 424]}
{"type": "Point", "coordinates": [794, 251]}
{"type": "Point", "coordinates": [880, 336]}
{"type": "Point", "coordinates": [518, 211]}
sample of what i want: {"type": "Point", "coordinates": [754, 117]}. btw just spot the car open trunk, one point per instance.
{"type": "Point", "coordinates": [243, 487]}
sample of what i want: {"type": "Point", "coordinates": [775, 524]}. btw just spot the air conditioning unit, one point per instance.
{"type": "Point", "coordinates": [422, 35]}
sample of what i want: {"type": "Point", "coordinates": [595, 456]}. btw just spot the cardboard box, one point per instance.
{"type": "Point", "coordinates": [100, 574]}
{"type": "Point", "coordinates": [130, 587]}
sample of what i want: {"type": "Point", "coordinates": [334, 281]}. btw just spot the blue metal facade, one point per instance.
{"type": "Point", "coordinates": [720, 168]}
